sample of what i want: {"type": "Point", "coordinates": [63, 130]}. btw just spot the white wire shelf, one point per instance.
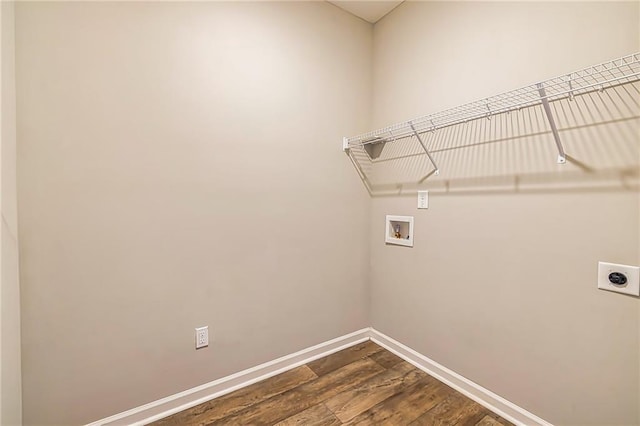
{"type": "Point", "coordinates": [597, 78]}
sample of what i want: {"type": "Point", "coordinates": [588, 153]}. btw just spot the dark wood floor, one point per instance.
{"type": "Point", "coordinates": [361, 385]}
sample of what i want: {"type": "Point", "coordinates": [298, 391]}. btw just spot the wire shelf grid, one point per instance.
{"type": "Point", "coordinates": [594, 78]}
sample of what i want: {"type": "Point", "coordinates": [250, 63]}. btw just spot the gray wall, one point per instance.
{"type": "Point", "coordinates": [501, 283]}
{"type": "Point", "coordinates": [10, 374]}
{"type": "Point", "coordinates": [179, 165]}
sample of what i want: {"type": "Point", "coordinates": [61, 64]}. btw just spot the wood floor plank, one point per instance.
{"type": "Point", "coordinates": [455, 409]}
{"type": "Point", "coordinates": [318, 415]}
{"type": "Point", "coordinates": [488, 421]}
{"type": "Point", "coordinates": [364, 384]}
{"type": "Point", "coordinates": [352, 402]}
{"type": "Point", "coordinates": [472, 414]}
{"type": "Point", "coordinates": [386, 358]}
{"type": "Point", "coordinates": [242, 398]}
{"type": "Point", "coordinates": [296, 400]}
{"type": "Point", "coordinates": [406, 406]}
{"type": "Point", "coordinates": [340, 359]}
{"type": "Point", "coordinates": [500, 420]}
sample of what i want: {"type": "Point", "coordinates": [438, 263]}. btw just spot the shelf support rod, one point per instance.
{"type": "Point", "coordinates": [547, 109]}
{"type": "Point", "coordinates": [437, 170]}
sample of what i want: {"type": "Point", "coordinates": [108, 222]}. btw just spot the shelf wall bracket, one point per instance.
{"type": "Point", "coordinates": [437, 170]}
{"type": "Point", "coordinates": [547, 109]}
{"type": "Point", "coordinates": [571, 96]}
{"type": "Point", "coordinates": [361, 172]}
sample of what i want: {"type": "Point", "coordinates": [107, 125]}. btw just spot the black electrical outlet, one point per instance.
{"type": "Point", "coordinates": [617, 278]}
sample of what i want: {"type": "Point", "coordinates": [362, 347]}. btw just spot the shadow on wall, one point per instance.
{"type": "Point", "coordinates": [516, 152]}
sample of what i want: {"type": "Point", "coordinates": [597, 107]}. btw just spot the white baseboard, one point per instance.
{"type": "Point", "coordinates": [164, 407]}
{"type": "Point", "coordinates": [482, 396]}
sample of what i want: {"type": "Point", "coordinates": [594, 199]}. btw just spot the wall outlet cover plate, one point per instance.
{"type": "Point", "coordinates": [423, 199]}
{"type": "Point", "coordinates": [202, 337]}
{"type": "Point", "coordinates": [632, 286]}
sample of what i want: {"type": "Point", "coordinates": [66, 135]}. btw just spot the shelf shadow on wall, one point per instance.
{"type": "Point", "coordinates": [515, 152]}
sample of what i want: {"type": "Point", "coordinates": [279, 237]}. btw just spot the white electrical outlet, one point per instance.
{"type": "Point", "coordinates": [202, 337]}
{"type": "Point", "coordinates": [619, 278]}
{"type": "Point", "coordinates": [423, 199]}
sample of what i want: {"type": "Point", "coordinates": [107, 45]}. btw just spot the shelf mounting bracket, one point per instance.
{"type": "Point", "coordinates": [437, 170]}
{"type": "Point", "coordinates": [562, 158]}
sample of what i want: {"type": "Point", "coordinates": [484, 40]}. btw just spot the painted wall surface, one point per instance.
{"type": "Point", "coordinates": [10, 373]}
{"type": "Point", "coordinates": [179, 165]}
{"type": "Point", "coordinates": [501, 283]}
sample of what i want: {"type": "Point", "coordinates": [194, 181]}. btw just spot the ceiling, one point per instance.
{"type": "Point", "coordinates": [371, 11]}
